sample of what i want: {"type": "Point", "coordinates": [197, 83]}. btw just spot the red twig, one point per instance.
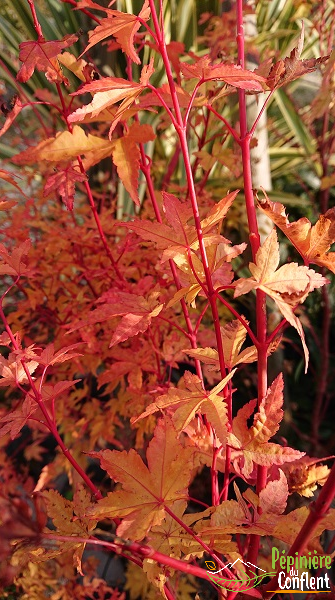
{"type": "Point", "coordinates": [261, 317]}
{"type": "Point", "coordinates": [37, 26]}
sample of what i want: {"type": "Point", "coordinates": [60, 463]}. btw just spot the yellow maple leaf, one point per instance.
{"type": "Point", "coordinates": [147, 491]}
{"type": "Point", "coordinates": [191, 400]}
{"type": "Point", "coordinates": [287, 286]}
{"type": "Point", "coordinates": [311, 241]}
{"type": "Point", "coordinates": [67, 146]}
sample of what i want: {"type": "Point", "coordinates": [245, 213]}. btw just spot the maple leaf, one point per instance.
{"type": "Point", "coordinates": [178, 236]}
{"type": "Point", "coordinates": [235, 516]}
{"type": "Point", "coordinates": [243, 515]}
{"type": "Point", "coordinates": [69, 519]}
{"type": "Point", "coordinates": [192, 269]}
{"type": "Point", "coordinates": [311, 241]}
{"type": "Point", "coordinates": [192, 400]}
{"type": "Point", "coordinates": [41, 55]}
{"type": "Point", "coordinates": [15, 420]}
{"type": "Point", "coordinates": [12, 264]}
{"type": "Point", "coordinates": [63, 182]}
{"type": "Point", "coordinates": [126, 156]}
{"type": "Point", "coordinates": [67, 146]}
{"type": "Point", "coordinates": [233, 336]}
{"type": "Point", "coordinates": [288, 526]}
{"type": "Point", "coordinates": [287, 286]}
{"type": "Point", "coordinates": [77, 66]}
{"type": "Point", "coordinates": [122, 26]}
{"type": "Point", "coordinates": [292, 67]}
{"type": "Point", "coordinates": [136, 313]}
{"type": "Point", "coordinates": [252, 444]}
{"type": "Point", "coordinates": [50, 357]}
{"type": "Point", "coordinates": [233, 75]}
{"type": "Point", "coordinates": [107, 92]}
{"type": "Point", "coordinates": [146, 490]}
{"type": "Point", "coordinates": [304, 475]}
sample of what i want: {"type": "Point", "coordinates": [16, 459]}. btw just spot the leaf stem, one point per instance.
{"type": "Point", "coordinates": [229, 127]}
{"type": "Point", "coordinates": [261, 316]}
{"type": "Point", "coordinates": [49, 423]}
{"type": "Point", "coordinates": [89, 193]}
{"type": "Point", "coordinates": [37, 25]}
{"type": "Point", "coordinates": [139, 549]}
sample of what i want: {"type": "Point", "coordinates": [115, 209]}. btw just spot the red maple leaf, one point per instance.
{"type": "Point", "coordinates": [41, 55]}
{"type": "Point", "coordinates": [63, 181]}
{"type": "Point", "coordinates": [121, 25]}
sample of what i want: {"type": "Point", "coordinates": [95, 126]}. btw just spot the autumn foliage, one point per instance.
{"type": "Point", "coordinates": [137, 416]}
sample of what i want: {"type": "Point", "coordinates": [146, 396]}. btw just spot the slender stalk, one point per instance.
{"type": "Point", "coordinates": [180, 128]}
{"type": "Point", "coordinates": [229, 127]}
{"type": "Point", "coordinates": [261, 317]}
{"type": "Point", "coordinates": [89, 193]}
{"type": "Point", "coordinates": [192, 534]}
{"type": "Point", "coordinates": [37, 26]}
{"type": "Point", "coordinates": [139, 549]}
{"type": "Point", "coordinates": [49, 423]}
{"type": "Point", "coordinates": [145, 167]}
{"type": "Point", "coordinates": [83, 10]}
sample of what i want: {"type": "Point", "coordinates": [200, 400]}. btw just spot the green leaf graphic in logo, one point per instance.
{"type": "Point", "coordinates": [239, 585]}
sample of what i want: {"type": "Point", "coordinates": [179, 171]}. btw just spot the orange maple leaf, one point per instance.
{"type": "Point", "coordinates": [242, 515]}
{"type": "Point", "coordinates": [287, 286]}
{"type": "Point", "coordinates": [107, 92]}
{"type": "Point", "coordinates": [13, 264]}
{"type": "Point", "coordinates": [233, 75]}
{"type": "Point", "coordinates": [126, 156]}
{"type": "Point", "coordinates": [69, 519]}
{"type": "Point", "coordinates": [292, 67]}
{"type": "Point", "coordinates": [147, 491]}
{"type": "Point", "coordinates": [62, 181]}
{"type": "Point", "coordinates": [66, 146]}
{"type": "Point", "coordinates": [252, 444]}
{"type": "Point", "coordinates": [176, 237]}
{"type": "Point", "coordinates": [41, 55]}
{"type": "Point", "coordinates": [122, 26]}
{"type": "Point", "coordinates": [194, 399]}
{"type": "Point", "coordinates": [233, 336]}
{"type": "Point", "coordinates": [311, 241]}
{"type": "Point", "coordinates": [136, 312]}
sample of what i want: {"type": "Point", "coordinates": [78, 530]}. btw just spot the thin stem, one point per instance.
{"type": "Point", "coordinates": [194, 535]}
{"type": "Point", "coordinates": [49, 423]}
{"type": "Point", "coordinates": [229, 127]}
{"type": "Point", "coordinates": [261, 316]}
{"type": "Point", "coordinates": [252, 130]}
{"type": "Point", "coordinates": [89, 193]}
{"type": "Point", "coordinates": [37, 26]}
{"type": "Point", "coordinates": [141, 550]}
{"type": "Point", "coordinates": [145, 167]}
{"type": "Point", "coordinates": [83, 10]}
{"type": "Point", "coordinates": [180, 128]}
{"type": "Point", "coordinates": [240, 318]}
{"type": "Point", "coordinates": [191, 102]}
{"type": "Point", "coordinates": [161, 99]}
